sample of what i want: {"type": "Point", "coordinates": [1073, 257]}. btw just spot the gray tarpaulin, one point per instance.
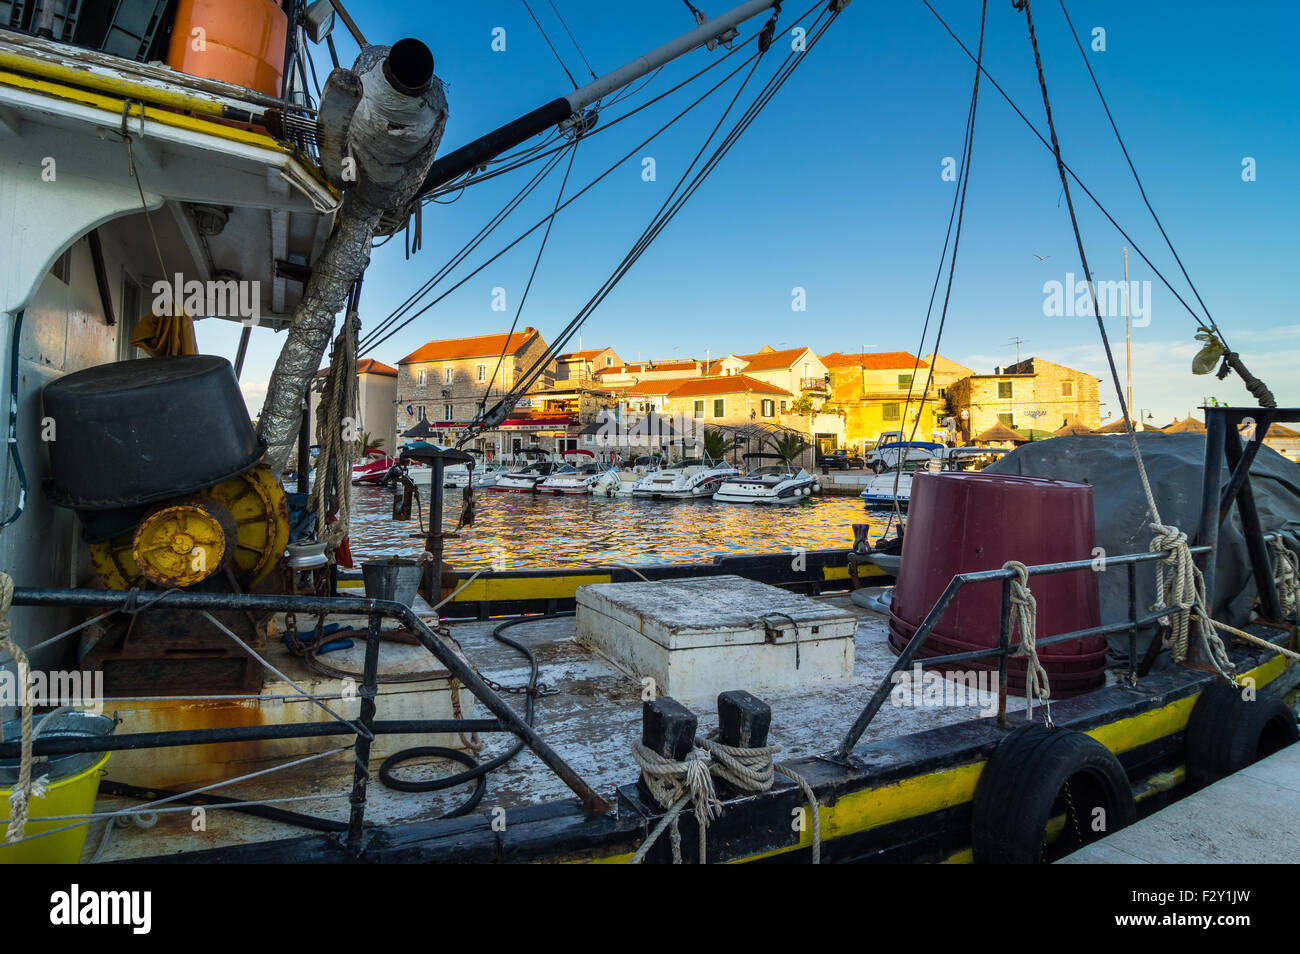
{"type": "Point", "coordinates": [1173, 464]}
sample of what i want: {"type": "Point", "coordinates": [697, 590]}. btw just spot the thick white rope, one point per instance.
{"type": "Point", "coordinates": [677, 784]}
{"type": "Point", "coordinates": [25, 789]}
{"type": "Point", "coordinates": [338, 404]}
{"type": "Point", "coordinates": [1286, 574]}
{"type": "Point", "coordinates": [690, 782]}
{"type": "Point", "coordinates": [1024, 618]}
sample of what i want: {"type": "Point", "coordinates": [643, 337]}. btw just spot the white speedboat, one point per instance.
{"type": "Point", "coordinates": [619, 481]}
{"type": "Point", "coordinates": [576, 476]}
{"type": "Point", "coordinates": [780, 483]}
{"type": "Point", "coordinates": [485, 476]}
{"type": "Point", "coordinates": [881, 490]}
{"type": "Point", "coordinates": [690, 479]}
{"type": "Point", "coordinates": [524, 479]}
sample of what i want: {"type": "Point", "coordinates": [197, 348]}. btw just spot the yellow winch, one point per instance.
{"type": "Point", "coordinates": [240, 524]}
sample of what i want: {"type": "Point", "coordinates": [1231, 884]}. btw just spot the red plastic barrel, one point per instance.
{"type": "Point", "coordinates": [961, 522]}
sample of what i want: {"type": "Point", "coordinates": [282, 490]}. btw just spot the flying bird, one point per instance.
{"type": "Point", "coordinates": [1041, 258]}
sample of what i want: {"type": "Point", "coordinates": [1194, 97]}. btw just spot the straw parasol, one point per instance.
{"type": "Point", "coordinates": [1074, 429]}
{"type": "Point", "coordinates": [999, 433]}
{"type": "Point", "coordinates": [1188, 425]}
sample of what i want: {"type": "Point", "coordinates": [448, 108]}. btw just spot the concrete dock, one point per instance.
{"type": "Point", "coordinates": [1252, 817]}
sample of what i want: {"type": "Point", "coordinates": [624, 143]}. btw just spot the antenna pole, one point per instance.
{"type": "Point", "coordinates": [1128, 334]}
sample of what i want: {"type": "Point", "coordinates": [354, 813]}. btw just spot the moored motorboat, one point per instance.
{"type": "Point", "coordinates": [692, 478]}
{"type": "Point", "coordinates": [525, 479]}
{"type": "Point", "coordinates": [778, 483]}
{"type": "Point", "coordinates": [573, 477]}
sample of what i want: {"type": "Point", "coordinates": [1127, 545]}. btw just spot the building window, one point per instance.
{"type": "Point", "coordinates": [889, 412]}
{"type": "Point", "coordinates": [447, 412]}
{"type": "Point", "coordinates": [719, 407]}
{"type": "Point", "coordinates": [419, 378]}
{"type": "Point", "coordinates": [699, 408]}
{"type": "Point", "coordinates": [784, 406]}
{"type": "Point", "coordinates": [1008, 419]}
{"type": "Point", "coordinates": [482, 372]}
{"type": "Point", "coordinates": [1067, 389]}
{"type": "Point", "coordinates": [1004, 390]}
{"type": "Point", "coordinates": [609, 361]}
{"type": "Point", "coordinates": [904, 382]}
{"type": "Point", "coordinates": [446, 376]}
{"type": "Point", "coordinates": [419, 411]}
{"type": "Point", "coordinates": [769, 407]}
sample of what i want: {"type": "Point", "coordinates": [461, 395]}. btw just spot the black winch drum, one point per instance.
{"type": "Point", "coordinates": [138, 431]}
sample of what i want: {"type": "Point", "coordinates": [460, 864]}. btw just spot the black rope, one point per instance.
{"type": "Point", "coordinates": [662, 218]}
{"type": "Point", "coordinates": [585, 61]}
{"type": "Point", "coordinates": [527, 287]}
{"type": "Point", "coordinates": [618, 162]}
{"type": "Point", "coordinates": [1074, 219]}
{"type": "Point", "coordinates": [1137, 248]}
{"type": "Point", "coordinates": [548, 43]}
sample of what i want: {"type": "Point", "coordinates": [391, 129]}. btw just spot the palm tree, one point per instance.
{"type": "Point", "coordinates": [788, 444]}
{"type": "Point", "coordinates": [715, 444]}
{"type": "Point", "coordinates": [369, 443]}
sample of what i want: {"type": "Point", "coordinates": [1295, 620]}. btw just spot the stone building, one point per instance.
{"type": "Point", "coordinates": [376, 396]}
{"type": "Point", "coordinates": [445, 382]}
{"type": "Point", "coordinates": [871, 391]}
{"type": "Point", "coordinates": [1035, 397]}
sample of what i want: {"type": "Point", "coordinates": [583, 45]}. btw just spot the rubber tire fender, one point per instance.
{"type": "Point", "coordinates": [1020, 784]}
{"type": "Point", "coordinates": [1226, 733]}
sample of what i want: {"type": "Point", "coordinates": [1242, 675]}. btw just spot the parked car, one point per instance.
{"type": "Point", "coordinates": [840, 459]}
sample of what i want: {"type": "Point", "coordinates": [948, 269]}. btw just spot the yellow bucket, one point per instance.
{"type": "Point", "coordinates": [72, 794]}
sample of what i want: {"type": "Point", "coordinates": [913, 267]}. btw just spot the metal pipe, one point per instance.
{"type": "Point", "coordinates": [1207, 528]}
{"type": "Point", "coordinates": [1270, 605]}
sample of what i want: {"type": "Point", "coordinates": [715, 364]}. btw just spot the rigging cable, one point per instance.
{"type": "Point", "coordinates": [618, 162]}
{"type": "Point", "coordinates": [571, 39]}
{"type": "Point", "coordinates": [662, 218]}
{"type": "Point", "coordinates": [1073, 175]}
{"type": "Point", "coordinates": [551, 45]}
{"type": "Point", "coordinates": [372, 337]}
{"type": "Point", "coordinates": [957, 213]}
{"type": "Point", "coordinates": [527, 287]}
{"type": "Point", "coordinates": [1255, 386]}
{"type": "Point", "coordinates": [1183, 594]}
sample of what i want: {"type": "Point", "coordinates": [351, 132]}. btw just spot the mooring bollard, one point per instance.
{"type": "Point", "coordinates": [668, 728]}
{"type": "Point", "coordinates": [743, 721]}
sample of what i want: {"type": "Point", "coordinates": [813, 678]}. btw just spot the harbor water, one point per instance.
{"type": "Point", "coordinates": [535, 531]}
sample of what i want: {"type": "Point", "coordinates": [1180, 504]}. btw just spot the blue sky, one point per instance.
{"type": "Point", "coordinates": [836, 188]}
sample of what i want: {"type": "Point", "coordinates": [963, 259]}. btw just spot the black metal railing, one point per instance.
{"type": "Point", "coordinates": [365, 727]}
{"type": "Point", "coordinates": [1004, 649]}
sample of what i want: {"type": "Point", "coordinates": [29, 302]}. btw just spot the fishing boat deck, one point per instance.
{"type": "Point", "coordinates": [591, 719]}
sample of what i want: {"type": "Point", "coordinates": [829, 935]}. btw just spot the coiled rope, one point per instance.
{"type": "Point", "coordinates": [678, 784]}
{"type": "Point", "coordinates": [25, 789]}
{"type": "Point", "coordinates": [1024, 619]}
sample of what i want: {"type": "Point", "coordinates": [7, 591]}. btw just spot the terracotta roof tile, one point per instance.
{"type": "Point", "coordinates": [480, 346]}
{"type": "Point", "coordinates": [877, 361]}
